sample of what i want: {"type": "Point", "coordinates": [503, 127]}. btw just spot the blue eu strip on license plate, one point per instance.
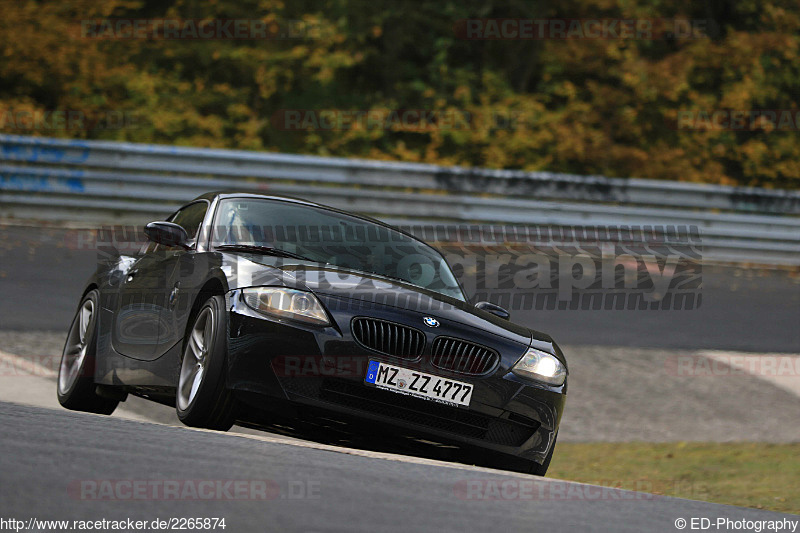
{"type": "Point", "coordinates": [372, 371]}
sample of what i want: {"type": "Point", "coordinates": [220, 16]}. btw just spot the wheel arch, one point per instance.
{"type": "Point", "coordinates": [89, 288]}
{"type": "Point", "coordinates": [91, 284]}
{"type": "Point", "coordinates": [212, 287]}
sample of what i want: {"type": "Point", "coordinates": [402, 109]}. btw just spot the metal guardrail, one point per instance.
{"type": "Point", "coordinates": [48, 178]}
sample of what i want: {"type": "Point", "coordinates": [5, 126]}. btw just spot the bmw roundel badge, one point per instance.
{"type": "Point", "coordinates": [431, 322]}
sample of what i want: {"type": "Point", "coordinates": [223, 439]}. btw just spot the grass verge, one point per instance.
{"type": "Point", "coordinates": [759, 475]}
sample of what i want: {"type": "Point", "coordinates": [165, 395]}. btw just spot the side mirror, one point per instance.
{"type": "Point", "coordinates": [167, 233]}
{"type": "Point", "coordinates": [494, 309]}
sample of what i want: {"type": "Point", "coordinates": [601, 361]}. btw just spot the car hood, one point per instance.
{"type": "Point", "coordinates": [334, 282]}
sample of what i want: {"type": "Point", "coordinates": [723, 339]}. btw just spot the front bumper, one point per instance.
{"type": "Point", "coordinates": [323, 368]}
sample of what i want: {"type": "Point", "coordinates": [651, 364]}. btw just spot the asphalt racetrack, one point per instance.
{"type": "Point", "coordinates": [47, 458]}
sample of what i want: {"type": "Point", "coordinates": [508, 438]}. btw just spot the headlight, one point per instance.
{"type": "Point", "coordinates": [540, 366]}
{"type": "Point", "coordinates": [286, 303]}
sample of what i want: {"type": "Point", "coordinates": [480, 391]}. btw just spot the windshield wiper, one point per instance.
{"type": "Point", "coordinates": [266, 250]}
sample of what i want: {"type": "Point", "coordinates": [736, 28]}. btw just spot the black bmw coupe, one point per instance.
{"type": "Point", "coordinates": [245, 307]}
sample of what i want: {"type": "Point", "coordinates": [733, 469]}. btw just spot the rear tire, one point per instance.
{"type": "Point", "coordinates": [203, 399]}
{"type": "Point", "coordinates": [76, 386]}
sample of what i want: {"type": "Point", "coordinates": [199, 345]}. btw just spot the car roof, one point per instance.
{"type": "Point", "coordinates": [221, 195]}
{"type": "Point", "coordinates": [246, 194]}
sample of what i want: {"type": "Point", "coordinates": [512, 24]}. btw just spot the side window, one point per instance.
{"type": "Point", "coordinates": [190, 218]}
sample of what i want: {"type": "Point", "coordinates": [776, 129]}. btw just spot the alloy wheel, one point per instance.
{"type": "Point", "coordinates": [195, 358]}
{"type": "Point", "coordinates": [77, 345]}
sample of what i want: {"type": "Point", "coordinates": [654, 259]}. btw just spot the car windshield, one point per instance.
{"type": "Point", "coordinates": [334, 238]}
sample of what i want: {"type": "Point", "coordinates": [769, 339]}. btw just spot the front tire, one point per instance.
{"type": "Point", "coordinates": [202, 398]}
{"type": "Point", "coordinates": [76, 386]}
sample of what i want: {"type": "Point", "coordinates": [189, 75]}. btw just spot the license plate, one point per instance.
{"type": "Point", "coordinates": [418, 384]}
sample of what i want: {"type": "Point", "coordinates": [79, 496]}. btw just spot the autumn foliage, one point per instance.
{"type": "Point", "coordinates": [404, 81]}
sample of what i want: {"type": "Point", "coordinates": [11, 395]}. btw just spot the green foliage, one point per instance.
{"type": "Point", "coordinates": [587, 106]}
{"type": "Point", "coordinates": [753, 474]}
